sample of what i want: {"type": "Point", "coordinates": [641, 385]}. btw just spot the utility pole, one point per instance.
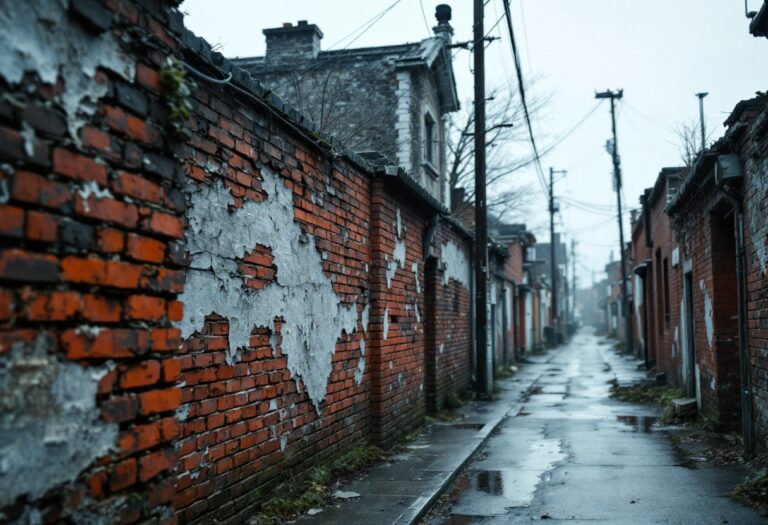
{"type": "Point", "coordinates": [481, 213]}
{"type": "Point", "coordinates": [553, 251]}
{"type": "Point", "coordinates": [573, 278]}
{"type": "Point", "coordinates": [701, 119]}
{"type": "Point", "coordinates": [613, 96]}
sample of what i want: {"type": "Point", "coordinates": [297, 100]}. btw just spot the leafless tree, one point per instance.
{"type": "Point", "coordinates": [507, 152]}
{"type": "Point", "coordinates": [689, 142]}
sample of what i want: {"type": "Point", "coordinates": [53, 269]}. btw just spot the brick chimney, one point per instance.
{"type": "Point", "coordinates": [292, 42]}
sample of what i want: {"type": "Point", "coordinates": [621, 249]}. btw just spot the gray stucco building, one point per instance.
{"type": "Point", "coordinates": [389, 100]}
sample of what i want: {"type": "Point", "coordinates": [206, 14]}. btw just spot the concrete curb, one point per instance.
{"type": "Point", "coordinates": [419, 508]}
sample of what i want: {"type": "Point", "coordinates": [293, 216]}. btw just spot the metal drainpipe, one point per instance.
{"type": "Point", "coordinates": [747, 422]}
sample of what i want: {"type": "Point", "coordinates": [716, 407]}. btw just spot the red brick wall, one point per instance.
{"type": "Point", "coordinates": [94, 266]}
{"type": "Point", "coordinates": [92, 261]}
{"type": "Point", "coordinates": [449, 324]}
{"type": "Point", "coordinates": [668, 327]}
{"type": "Point", "coordinates": [753, 150]}
{"type": "Point", "coordinates": [246, 424]}
{"type": "Point", "coordinates": [703, 226]}
{"type": "Point", "coordinates": [397, 349]}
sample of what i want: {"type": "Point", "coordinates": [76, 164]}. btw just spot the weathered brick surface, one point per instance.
{"type": "Point", "coordinates": [94, 267]}
{"type": "Point", "coordinates": [658, 328]}
{"type": "Point", "coordinates": [448, 361]}
{"type": "Point", "coordinates": [704, 225]}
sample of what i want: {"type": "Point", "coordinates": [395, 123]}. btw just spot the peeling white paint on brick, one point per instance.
{"type": "Point", "coordinates": [37, 36]}
{"type": "Point", "coordinates": [50, 427]}
{"type": "Point", "coordinates": [386, 323]}
{"type": "Point", "coordinates": [455, 264]}
{"type": "Point", "coordinates": [360, 370]}
{"type": "Point", "coordinates": [676, 341]}
{"type": "Point", "coordinates": [301, 294]}
{"type": "Point", "coordinates": [91, 189]}
{"type": "Point", "coordinates": [398, 260]}
{"type": "Point", "coordinates": [758, 226]}
{"type": "Point", "coordinates": [415, 270]}
{"type": "Point", "coordinates": [708, 313]}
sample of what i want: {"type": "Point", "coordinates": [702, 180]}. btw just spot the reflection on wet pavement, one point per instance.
{"type": "Point", "coordinates": [639, 423]}
{"type": "Point", "coordinates": [571, 453]}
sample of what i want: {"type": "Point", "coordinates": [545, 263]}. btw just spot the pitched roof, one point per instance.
{"type": "Point", "coordinates": [430, 53]}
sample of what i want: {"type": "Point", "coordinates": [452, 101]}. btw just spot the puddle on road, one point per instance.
{"type": "Point", "coordinates": [490, 481]}
{"type": "Point", "coordinates": [481, 493]}
{"type": "Point", "coordinates": [639, 423]}
{"type": "Point", "coordinates": [470, 426]}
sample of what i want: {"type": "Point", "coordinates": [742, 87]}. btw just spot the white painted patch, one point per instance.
{"type": "Point", "coordinates": [38, 36]}
{"type": "Point", "coordinates": [676, 341]}
{"type": "Point", "coordinates": [415, 270]}
{"type": "Point", "coordinates": [386, 322]}
{"type": "Point", "coordinates": [399, 225]}
{"type": "Point", "coordinates": [182, 413]}
{"type": "Point", "coordinates": [360, 370]}
{"type": "Point", "coordinates": [708, 313]}
{"type": "Point", "coordinates": [92, 189]}
{"type": "Point", "coordinates": [301, 294]}
{"type": "Point", "coordinates": [28, 134]}
{"type": "Point", "coordinates": [455, 264]}
{"type": "Point", "coordinates": [398, 260]}
{"type": "Point", "coordinates": [417, 313]}
{"type": "Point", "coordinates": [50, 427]}
{"type": "Point", "coordinates": [442, 348]}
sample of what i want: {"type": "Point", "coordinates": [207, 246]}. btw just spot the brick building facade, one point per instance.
{"type": "Point", "coordinates": [389, 100]}
{"type": "Point", "coordinates": [656, 282]}
{"type": "Point", "coordinates": [708, 249]}
{"type": "Point", "coordinates": [200, 294]}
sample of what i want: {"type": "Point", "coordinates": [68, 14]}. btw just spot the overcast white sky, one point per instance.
{"type": "Point", "coordinates": [660, 52]}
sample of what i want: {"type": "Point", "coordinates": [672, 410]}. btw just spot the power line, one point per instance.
{"type": "Point", "coordinates": [361, 30]}
{"type": "Point", "coordinates": [521, 88]}
{"type": "Point", "coordinates": [607, 207]}
{"type": "Point", "coordinates": [424, 16]}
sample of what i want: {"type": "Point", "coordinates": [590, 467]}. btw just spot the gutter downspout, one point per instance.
{"type": "Point", "coordinates": [747, 421]}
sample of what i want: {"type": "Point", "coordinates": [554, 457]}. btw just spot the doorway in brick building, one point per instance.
{"type": "Point", "coordinates": [430, 331]}
{"type": "Point", "coordinates": [724, 309]}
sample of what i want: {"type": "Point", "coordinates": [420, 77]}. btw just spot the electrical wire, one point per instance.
{"type": "Point", "coordinates": [521, 88]}
{"type": "Point", "coordinates": [607, 207]}
{"type": "Point", "coordinates": [361, 30]}
{"type": "Point", "coordinates": [227, 81]}
{"type": "Point", "coordinates": [424, 16]}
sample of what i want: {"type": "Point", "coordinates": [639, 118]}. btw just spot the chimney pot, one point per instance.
{"type": "Point", "coordinates": [443, 13]}
{"type": "Point", "coordinates": [443, 28]}
{"type": "Point", "coordinates": [289, 43]}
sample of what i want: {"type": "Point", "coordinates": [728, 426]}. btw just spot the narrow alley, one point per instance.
{"type": "Point", "coordinates": [336, 263]}
{"type": "Point", "coordinates": [573, 454]}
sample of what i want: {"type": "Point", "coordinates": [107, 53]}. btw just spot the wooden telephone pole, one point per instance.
{"type": "Point", "coordinates": [613, 96]}
{"type": "Point", "coordinates": [484, 372]}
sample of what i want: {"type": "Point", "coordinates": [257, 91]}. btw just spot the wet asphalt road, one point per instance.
{"type": "Point", "coordinates": [574, 455]}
